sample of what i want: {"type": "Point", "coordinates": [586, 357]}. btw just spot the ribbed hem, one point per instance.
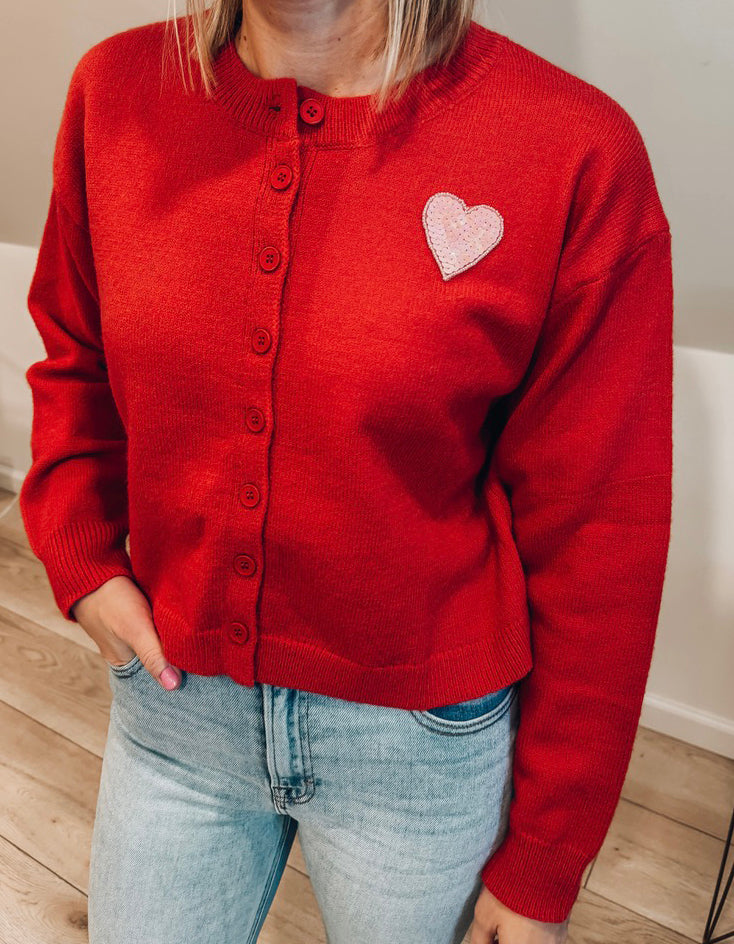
{"type": "Point", "coordinates": [488, 663]}
{"type": "Point", "coordinates": [270, 105]}
{"type": "Point", "coordinates": [534, 878]}
{"type": "Point", "coordinates": [79, 558]}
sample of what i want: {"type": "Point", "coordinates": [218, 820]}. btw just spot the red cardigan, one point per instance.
{"type": "Point", "coordinates": [382, 400]}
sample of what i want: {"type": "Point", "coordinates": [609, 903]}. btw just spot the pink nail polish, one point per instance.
{"type": "Point", "coordinates": [169, 678]}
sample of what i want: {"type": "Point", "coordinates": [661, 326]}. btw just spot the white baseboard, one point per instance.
{"type": "Point", "coordinates": [676, 719]}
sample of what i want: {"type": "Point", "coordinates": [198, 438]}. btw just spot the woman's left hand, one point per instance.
{"type": "Point", "coordinates": [492, 918]}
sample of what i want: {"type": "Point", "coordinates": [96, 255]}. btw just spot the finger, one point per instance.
{"type": "Point", "coordinates": [147, 644]}
{"type": "Point", "coordinates": [482, 935]}
{"type": "Point", "coordinates": [159, 667]}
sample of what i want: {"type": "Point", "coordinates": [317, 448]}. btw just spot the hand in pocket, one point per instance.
{"type": "Point", "coordinates": [118, 617]}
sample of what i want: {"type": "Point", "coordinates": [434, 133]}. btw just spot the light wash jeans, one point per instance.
{"type": "Point", "coordinates": [203, 788]}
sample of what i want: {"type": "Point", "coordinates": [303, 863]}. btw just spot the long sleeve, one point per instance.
{"type": "Point", "coordinates": [73, 499]}
{"type": "Point", "coordinates": [585, 458]}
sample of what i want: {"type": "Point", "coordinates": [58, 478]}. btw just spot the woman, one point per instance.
{"type": "Point", "coordinates": [379, 385]}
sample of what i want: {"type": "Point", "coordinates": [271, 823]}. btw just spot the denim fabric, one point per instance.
{"type": "Point", "coordinates": [203, 789]}
{"type": "Point", "coordinates": [473, 709]}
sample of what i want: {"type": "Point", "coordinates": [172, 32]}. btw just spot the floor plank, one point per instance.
{"type": "Point", "coordinates": [659, 869]}
{"type": "Point", "coordinates": [54, 681]}
{"type": "Point", "coordinates": [595, 920]}
{"type": "Point", "coordinates": [48, 791]}
{"type": "Point", "coordinates": [681, 781]}
{"type": "Point", "coordinates": [36, 906]}
{"type": "Point", "coordinates": [25, 591]}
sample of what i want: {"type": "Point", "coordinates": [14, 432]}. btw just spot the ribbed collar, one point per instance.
{"type": "Point", "coordinates": [270, 105]}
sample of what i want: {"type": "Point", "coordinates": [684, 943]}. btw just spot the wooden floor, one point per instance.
{"type": "Point", "coordinates": [650, 884]}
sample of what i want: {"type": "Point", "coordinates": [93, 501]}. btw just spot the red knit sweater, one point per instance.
{"type": "Point", "coordinates": [382, 400]}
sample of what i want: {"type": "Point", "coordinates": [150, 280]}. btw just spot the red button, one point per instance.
{"type": "Point", "coordinates": [238, 632]}
{"type": "Point", "coordinates": [269, 258]}
{"type": "Point", "coordinates": [281, 177]}
{"type": "Point", "coordinates": [311, 111]}
{"type": "Point", "coordinates": [261, 340]}
{"type": "Point", "coordinates": [249, 495]}
{"type": "Point", "coordinates": [255, 419]}
{"type": "Point", "coordinates": [245, 565]}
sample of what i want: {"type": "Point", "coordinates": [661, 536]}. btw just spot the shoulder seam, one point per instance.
{"type": "Point", "coordinates": [656, 234]}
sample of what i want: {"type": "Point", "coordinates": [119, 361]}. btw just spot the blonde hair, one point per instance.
{"type": "Point", "coordinates": [418, 33]}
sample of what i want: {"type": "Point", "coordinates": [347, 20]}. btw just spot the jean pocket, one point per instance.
{"type": "Point", "coordinates": [473, 714]}
{"type": "Point", "coordinates": [127, 668]}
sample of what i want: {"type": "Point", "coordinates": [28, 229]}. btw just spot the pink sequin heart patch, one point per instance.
{"type": "Point", "coordinates": [459, 236]}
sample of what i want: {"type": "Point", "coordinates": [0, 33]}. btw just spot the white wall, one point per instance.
{"type": "Point", "coordinates": [20, 346]}
{"type": "Point", "coordinates": [669, 63]}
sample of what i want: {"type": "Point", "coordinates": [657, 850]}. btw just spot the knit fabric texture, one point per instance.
{"type": "Point", "coordinates": [372, 404]}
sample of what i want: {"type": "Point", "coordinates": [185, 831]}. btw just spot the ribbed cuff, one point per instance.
{"type": "Point", "coordinates": [80, 557]}
{"type": "Point", "coordinates": [535, 879]}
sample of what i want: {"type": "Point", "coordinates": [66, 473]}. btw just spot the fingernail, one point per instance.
{"type": "Point", "coordinates": [169, 678]}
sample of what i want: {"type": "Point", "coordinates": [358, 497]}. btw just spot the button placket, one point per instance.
{"type": "Point", "coordinates": [272, 232]}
